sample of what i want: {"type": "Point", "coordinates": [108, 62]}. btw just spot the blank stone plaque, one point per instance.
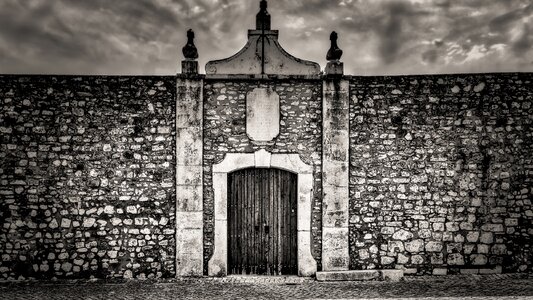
{"type": "Point", "coordinates": [262, 114]}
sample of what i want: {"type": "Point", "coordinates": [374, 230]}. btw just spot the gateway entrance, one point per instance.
{"type": "Point", "coordinates": [262, 222]}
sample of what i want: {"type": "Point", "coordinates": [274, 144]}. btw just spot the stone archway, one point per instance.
{"type": "Point", "coordinates": [218, 264]}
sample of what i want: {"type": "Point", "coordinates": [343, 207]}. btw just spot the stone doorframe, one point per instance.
{"type": "Point", "coordinates": [218, 264]}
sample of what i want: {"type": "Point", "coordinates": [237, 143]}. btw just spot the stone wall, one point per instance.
{"type": "Point", "coordinates": [87, 177]}
{"type": "Point", "coordinates": [225, 132]}
{"type": "Point", "coordinates": [441, 173]}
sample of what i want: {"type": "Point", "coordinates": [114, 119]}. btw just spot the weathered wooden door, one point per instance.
{"type": "Point", "coordinates": [262, 222]}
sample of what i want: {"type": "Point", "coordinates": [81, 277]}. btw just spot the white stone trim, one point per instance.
{"type": "Point", "coordinates": [218, 264]}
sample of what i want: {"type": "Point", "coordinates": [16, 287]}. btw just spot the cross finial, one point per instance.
{"type": "Point", "coordinates": [263, 17]}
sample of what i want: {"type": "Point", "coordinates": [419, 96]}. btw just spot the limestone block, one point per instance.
{"type": "Point", "coordinates": [352, 275]}
{"type": "Point", "coordinates": [192, 119]}
{"type": "Point", "coordinates": [189, 67]}
{"type": "Point", "coordinates": [402, 235]}
{"type": "Point", "coordinates": [218, 265]}
{"type": "Point", "coordinates": [335, 173]}
{"type": "Point", "coordinates": [478, 259]}
{"type": "Point", "coordinates": [189, 220]}
{"type": "Point", "coordinates": [334, 68]}
{"type": "Point", "coordinates": [434, 246]}
{"type": "Point", "coordinates": [262, 159]}
{"type": "Point", "coordinates": [440, 271]}
{"type": "Point", "coordinates": [291, 162]}
{"type": "Point", "coordinates": [486, 238]}
{"type": "Point", "coordinates": [335, 256]}
{"type": "Point", "coordinates": [455, 259]}
{"type": "Point", "coordinates": [335, 145]}
{"type": "Point", "coordinates": [495, 270]}
{"type": "Point", "coordinates": [335, 207]}
{"type": "Point", "coordinates": [192, 265]}
{"type": "Point", "coordinates": [189, 241]}
{"type": "Point", "coordinates": [189, 197]}
{"type": "Point", "coordinates": [189, 90]}
{"type": "Point", "coordinates": [306, 263]}
{"type": "Point", "coordinates": [305, 188]}
{"type": "Point", "coordinates": [415, 246]}
{"type": "Point", "coordinates": [189, 146]}
{"type": "Point", "coordinates": [189, 175]}
{"type": "Point", "coordinates": [262, 114]}
{"type": "Point", "coordinates": [233, 162]}
{"type": "Point", "coordinates": [392, 275]}
{"type": "Point", "coordinates": [220, 186]}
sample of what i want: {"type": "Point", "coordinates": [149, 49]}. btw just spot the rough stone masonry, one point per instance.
{"type": "Point", "coordinates": [126, 176]}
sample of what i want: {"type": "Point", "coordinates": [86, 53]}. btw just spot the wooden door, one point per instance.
{"type": "Point", "coordinates": [262, 233]}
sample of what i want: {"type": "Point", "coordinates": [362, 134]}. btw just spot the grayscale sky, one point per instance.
{"type": "Point", "coordinates": [379, 37]}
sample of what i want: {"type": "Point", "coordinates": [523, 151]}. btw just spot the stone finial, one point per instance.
{"type": "Point", "coordinates": [263, 17]}
{"type": "Point", "coordinates": [334, 53]}
{"type": "Point", "coordinates": [189, 51]}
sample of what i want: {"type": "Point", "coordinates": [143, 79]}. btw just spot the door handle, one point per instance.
{"type": "Point", "coordinates": [267, 229]}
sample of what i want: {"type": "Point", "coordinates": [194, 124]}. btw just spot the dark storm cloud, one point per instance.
{"type": "Point", "coordinates": [524, 42]}
{"type": "Point", "coordinates": [377, 36]}
{"type": "Point", "coordinates": [506, 20]}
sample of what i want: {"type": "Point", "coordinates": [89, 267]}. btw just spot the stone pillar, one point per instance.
{"type": "Point", "coordinates": [335, 162]}
{"type": "Point", "coordinates": [189, 176]}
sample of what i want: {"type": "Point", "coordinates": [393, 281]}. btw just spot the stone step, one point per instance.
{"type": "Point", "coordinates": [360, 275]}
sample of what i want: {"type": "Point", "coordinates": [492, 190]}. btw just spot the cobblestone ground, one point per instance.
{"type": "Point", "coordinates": [449, 287]}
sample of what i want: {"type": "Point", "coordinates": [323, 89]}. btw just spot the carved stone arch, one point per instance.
{"type": "Point", "coordinates": [218, 264]}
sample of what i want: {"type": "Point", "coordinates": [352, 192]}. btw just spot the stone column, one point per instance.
{"type": "Point", "coordinates": [189, 176]}
{"type": "Point", "coordinates": [335, 160]}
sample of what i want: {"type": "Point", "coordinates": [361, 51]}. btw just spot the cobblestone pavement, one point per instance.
{"type": "Point", "coordinates": [472, 287]}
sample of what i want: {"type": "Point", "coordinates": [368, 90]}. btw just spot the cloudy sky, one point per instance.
{"type": "Point", "coordinates": [379, 37]}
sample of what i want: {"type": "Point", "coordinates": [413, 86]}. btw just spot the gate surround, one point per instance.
{"type": "Point", "coordinates": [218, 264]}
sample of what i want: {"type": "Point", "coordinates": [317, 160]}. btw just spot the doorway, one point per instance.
{"type": "Point", "coordinates": [262, 222]}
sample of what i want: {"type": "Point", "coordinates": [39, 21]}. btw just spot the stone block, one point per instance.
{"type": "Point", "coordinates": [262, 114]}
{"type": "Point", "coordinates": [335, 206]}
{"type": "Point", "coordinates": [402, 235]}
{"type": "Point", "coordinates": [335, 145]}
{"type": "Point", "coordinates": [189, 220]}
{"type": "Point", "coordinates": [218, 265]}
{"type": "Point", "coordinates": [189, 146]}
{"type": "Point", "coordinates": [392, 275]}
{"type": "Point", "coordinates": [356, 275]}
{"type": "Point", "coordinates": [478, 259]}
{"type": "Point", "coordinates": [189, 67]}
{"type": "Point", "coordinates": [189, 198]}
{"type": "Point", "coordinates": [291, 162]}
{"type": "Point", "coordinates": [433, 246]}
{"type": "Point", "coordinates": [305, 187]}
{"type": "Point", "coordinates": [335, 249]}
{"type": "Point", "coordinates": [415, 246]}
{"type": "Point", "coordinates": [306, 263]}
{"type": "Point", "coordinates": [486, 238]}
{"type": "Point", "coordinates": [494, 270]}
{"type": "Point", "coordinates": [189, 241]}
{"type": "Point", "coordinates": [440, 271]}
{"type": "Point", "coordinates": [334, 68]}
{"type": "Point", "coordinates": [220, 186]}
{"type": "Point", "coordinates": [233, 162]}
{"type": "Point", "coordinates": [189, 175]}
{"type": "Point", "coordinates": [455, 259]}
{"type": "Point", "coordinates": [335, 173]}
{"type": "Point", "coordinates": [262, 159]}
{"type": "Point", "coordinates": [469, 271]}
{"type": "Point", "coordinates": [190, 266]}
